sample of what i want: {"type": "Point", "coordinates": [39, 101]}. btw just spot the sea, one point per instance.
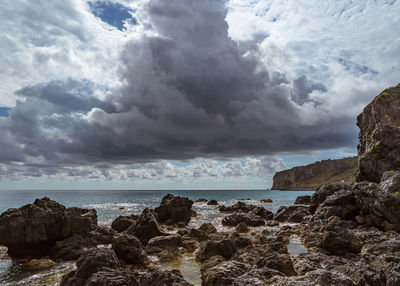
{"type": "Point", "coordinates": [110, 204]}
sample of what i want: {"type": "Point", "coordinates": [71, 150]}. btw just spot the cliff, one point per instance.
{"type": "Point", "coordinates": [312, 176]}
{"type": "Point", "coordinates": [379, 137]}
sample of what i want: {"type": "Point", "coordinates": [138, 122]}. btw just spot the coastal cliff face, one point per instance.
{"type": "Point", "coordinates": [314, 175]}
{"type": "Point", "coordinates": [379, 137]}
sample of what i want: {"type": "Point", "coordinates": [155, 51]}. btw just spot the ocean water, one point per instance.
{"type": "Point", "coordinates": [113, 203]}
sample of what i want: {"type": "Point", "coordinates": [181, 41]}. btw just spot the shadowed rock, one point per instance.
{"type": "Point", "coordinates": [173, 210]}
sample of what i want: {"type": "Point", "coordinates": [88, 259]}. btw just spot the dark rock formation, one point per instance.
{"type": "Point", "coordinates": [302, 200]}
{"type": "Point", "coordinates": [312, 176]}
{"type": "Point", "coordinates": [123, 222]}
{"type": "Point", "coordinates": [146, 226]}
{"type": "Point", "coordinates": [129, 249]}
{"type": "Point", "coordinates": [212, 203]}
{"type": "Point", "coordinates": [208, 228]}
{"type": "Point", "coordinates": [248, 218]}
{"type": "Point", "coordinates": [379, 138]}
{"type": "Point", "coordinates": [165, 245]}
{"type": "Point", "coordinates": [224, 248]}
{"type": "Point", "coordinates": [173, 210]}
{"type": "Point", "coordinates": [245, 208]}
{"type": "Point", "coordinates": [32, 230]}
{"type": "Point", "coordinates": [294, 213]}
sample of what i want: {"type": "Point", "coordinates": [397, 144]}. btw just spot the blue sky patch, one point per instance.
{"type": "Point", "coordinates": [4, 111]}
{"type": "Point", "coordinates": [113, 14]}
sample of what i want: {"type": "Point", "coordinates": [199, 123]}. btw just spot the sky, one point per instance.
{"type": "Point", "coordinates": [185, 94]}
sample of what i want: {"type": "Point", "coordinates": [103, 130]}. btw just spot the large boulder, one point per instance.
{"type": "Point", "coordinates": [293, 213]}
{"type": "Point", "coordinates": [146, 226]}
{"type": "Point", "coordinates": [245, 208]}
{"type": "Point", "coordinates": [32, 230]}
{"type": "Point", "coordinates": [173, 210]}
{"type": "Point", "coordinates": [130, 249]}
{"type": "Point", "coordinates": [379, 138]}
{"type": "Point", "coordinates": [210, 248]}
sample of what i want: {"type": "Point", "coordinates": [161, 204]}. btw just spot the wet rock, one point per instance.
{"type": "Point", "coordinates": [211, 262]}
{"type": "Point", "coordinates": [212, 203]}
{"type": "Point", "coordinates": [38, 264]}
{"type": "Point", "coordinates": [189, 244]}
{"type": "Point", "coordinates": [129, 249]}
{"type": "Point", "coordinates": [122, 222]}
{"type": "Point", "coordinates": [224, 248]}
{"type": "Point", "coordinates": [198, 234]}
{"type": "Point", "coordinates": [161, 278]}
{"type": "Point", "coordinates": [239, 241]}
{"type": "Point", "coordinates": [379, 137]}
{"type": "Point", "coordinates": [160, 244]}
{"type": "Point", "coordinates": [303, 200]}
{"type": "Point", "coordinates": [202, 200]}
{"type": "Point", "coordinates": [245, 208]}
{"type": "Point", "coordinates": [294, 213]}
{"type": "Point", "coordinates": [266, 200]}
{"type": "Point", "coordinates": [224, 273]}
{"type": "Point", "coordinates": [32, 230]}
{"type": "Point", "coordinates": [248, 218]}
{"type": "Point", "coordinates": [173, 210]}
{"type": "Point", "coordinates": [272, 223]}
{"type": "Point", "coordinates": [320, 277]}
{"type": "Point", "coordinates": [208, 228]}
{"type": "Point", "coordinates": [146, 226]}
{"type": "Point", "coordinates": [242, 227]}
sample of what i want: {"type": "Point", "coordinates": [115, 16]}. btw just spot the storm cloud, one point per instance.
{"type": "Point", "coordinates": [186, 89]}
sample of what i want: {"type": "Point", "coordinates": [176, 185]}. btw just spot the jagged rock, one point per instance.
{"type": "Point", "coordinates": [123, 222]}
{"type": "Point", "coordinates": [208, 228]}
{"type": "Point", "coordinates": [341, 204]}
{"type": "Point", "coordinates": [161, 278]}
{"type": "Point", "coordinates": [211, 262]}
{"type": "Point", "coordinates": [224, 248]}
{"type": "Point", "coordinates": [146, 226]}
{"type": "Point", "coordinates": [201, 200]}
{"type": "Point", "coordinates": [197, 234]}
{"type": "Point", "coordinates": [224, 273]}
{"type": "Point", "coordinates": [379, 208]}
{"type": "Point", "coordinates": [324, 191]}
{"type": "Point", "coordinates": [266, 200]}
{"type": "Point", "coordinates": [173, 210]}
{"type": "Point", "coordinates": [294, 213]}
{"type": "Point", "coordinates": [159, 244]}
{"type": "Point", "coordinates": [32, 230]}
{"type": "Point", "coordinates": [248, 218]}
{"type": "Point", "coordinates": [212, 203]}
{"type": "Point", "coordinates": [303, 200]}
{"type": "Point", "coordinates": [239, 241]}
{"type": "Point", "coordinates": [241, 227]}
{"type": "Point", "coordinates": [129, 249]}
{"type": "Point", "coordinates": [379, 137]}
{"type": "Point", "coordinates": [245, 208]}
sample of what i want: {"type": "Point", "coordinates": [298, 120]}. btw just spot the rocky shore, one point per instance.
{"type": "Point", "coordinates": [351, 232]}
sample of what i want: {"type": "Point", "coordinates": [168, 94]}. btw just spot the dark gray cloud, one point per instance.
{"type": "Point", "coordinates": [188, 91]}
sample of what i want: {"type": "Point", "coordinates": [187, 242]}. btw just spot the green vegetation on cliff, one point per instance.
{"type": "Point", "coordinates": [312, 176]}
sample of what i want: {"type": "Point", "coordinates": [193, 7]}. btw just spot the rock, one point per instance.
{"type": "Point", "coordinates": [38, 264]}
{"type": "Point", "coordinates": [245, 208]}
{"type": "Point", "coordinates": [248, 218]}
{"type": "Point", "coordinates": [379, 137]}
{"type": "Point", "coordinates": [224, 273]}
{"type": "Point", "coordinates": [340, 204]}
{"type": "Point", "coordinates": [159, 244]}
{"type": "Point", "coordinates": [272, 223]}
{"type": "Point", "coordinates": [72, 247]}
{"type": "Point", "coordinates": [197, 234]}
{"type": "Point", "coordinates": [32, 230]}
{"type": "Point", "coordinates": [146, 226]}
{"type": "Point", "coordinates": [208, 228]}
{"type": "Point", "coordinates": [294, 213]}
{"type": "Point", "coordinates": [303, 200]}
{"type": "Point", "coordinates": [123, 222]}
{"type": "Point", "coordinates": [266, 200]}
{"type": "Point", "coordinates": [161, 278]}
{"type": "Point", "coordinates": [324, 191]}
{"type": "Point", "coordinates": [378, 208]}
{"type": "Point", "coordinates": [242, 228]}
{"type": "Point", "coordinates": [202, 200]}
{"type": "Point", "coordinates": [211, 262]}
{"type": "Point", "coordinates": [129, 249]}
{"type": "Point", "coordinates": [239, 241]}
{"type": "Point", "coordinates": [224, 248]}
{"type": "Point", "coordinates": [173, 210]}
{"type": "Point", "coordinates": [390, 182]}
{"type": "Point", "coordinates": [212, 203]}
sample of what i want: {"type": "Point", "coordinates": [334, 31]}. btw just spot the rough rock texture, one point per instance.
{"type": "Point", "coordinates": [32, 230]}
{"type": "Point", "coordinates": [130, 249]}
{"type": "Point", "coordinates": [123, 222]}
{"type": "Point", "coordinates": [245, 208]}
{"type": "Point", "coordinates": [312, 176]}
{"type": "Point", "coordinates": [248, 218]}
{"type": "Point", "coordinates": [302, 200]}
{"type": "Point", "coordinates": [146, 226]}
{"type": "Point", "coordinates": [224, 248]}
{"type": "Point", "coordinates": [294, 213]}
{"type": "Point", "coordinates": [379, 138]}
{"type": "Point", "coordinates": [173, 210]}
